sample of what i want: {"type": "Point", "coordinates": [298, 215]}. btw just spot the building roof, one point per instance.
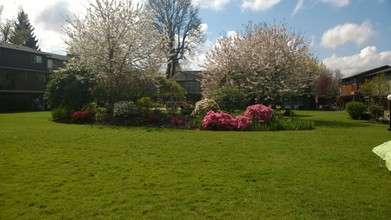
{"type": "Point", "coordinates": [187, 76]}
{"type": "Point", "coordinates": [371, 72]}
{"type": "Point", "coordinates": [31, 50]}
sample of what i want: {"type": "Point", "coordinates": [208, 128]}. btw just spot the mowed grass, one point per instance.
{"type": "Point", "coordinates": [64, 171]}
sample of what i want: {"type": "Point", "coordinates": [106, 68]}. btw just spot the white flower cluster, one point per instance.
{"type": "Point", "coordinates": [204, 106]}
{"type": "Point", "coordinates": [125, 109]}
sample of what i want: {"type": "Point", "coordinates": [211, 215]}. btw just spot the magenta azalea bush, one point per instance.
{"type": "Point", "coordinates": [222, 121]}
{"type": "Point", "coordinates": [259, 113]}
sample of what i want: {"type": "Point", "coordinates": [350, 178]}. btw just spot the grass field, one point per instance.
{"type": "Point", "coordinates": [64, 171]}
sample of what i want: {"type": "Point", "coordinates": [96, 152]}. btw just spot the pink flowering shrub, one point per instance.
{"type": "Point", "coordinates": [242, 122]}
{"type": "Point", "coordinates": [176, 121]}
{"type": "Point", "coordinates": [259, 113]}
{"type": "Point", "coordinates": [80, 117]}
{"type": "Point", "coordinates": [224, 122]}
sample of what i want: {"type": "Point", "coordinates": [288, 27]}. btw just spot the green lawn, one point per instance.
{"type": "Point", "coordinates": [64, 171]}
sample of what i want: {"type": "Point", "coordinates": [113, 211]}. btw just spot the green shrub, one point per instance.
{"type": "Point", "coordinates": [125, 109]}
{"type": "Point", "coordinates": [376, 110]}
{"type": "Point", "coordinates": [186, 108]}
{"type": "Point", "coordinates": [61, 113]}
{"type": "Point", "coordinates": [355, 109]}
{"type": "Point", "coordinates": [171, 108]}
{"type": "Point", "coordinates": [280, 123]}
{"type": "Point", "coordinates": [230, 99]}
{"type": "Point", "coordinates": [70, 87]}
{"type": "Point", "coordinates": [101, 114]}
{"type": "Point", "coordinates": [145, 105]}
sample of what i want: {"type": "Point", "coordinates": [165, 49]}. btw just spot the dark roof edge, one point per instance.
{"type": "Point", "coordinates": [31, 50]}
{"type": "Point", "coordinates": [369, 71]}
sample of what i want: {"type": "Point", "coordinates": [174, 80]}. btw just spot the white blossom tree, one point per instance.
{"type": "Point", "coordinates": [114, 39]}
{"type": "Point", "coordinates": [264, 61]}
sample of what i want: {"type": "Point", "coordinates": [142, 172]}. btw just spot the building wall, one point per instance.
{"type": "Point", "coordinates": [24, 73]}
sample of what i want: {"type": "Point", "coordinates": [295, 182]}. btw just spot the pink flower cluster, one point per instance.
{"type": "Point", "coordinates": [82, 116]}
{"type": "Point", "coordinates": [223, 121]}
{"type": "Point", "coordinates": [176, 121]}
{"type": "Point", "coordinates": [258, 112]}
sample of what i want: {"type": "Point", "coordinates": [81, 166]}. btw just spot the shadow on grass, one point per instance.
{"type": "Point", "coordinates": [338, 124]}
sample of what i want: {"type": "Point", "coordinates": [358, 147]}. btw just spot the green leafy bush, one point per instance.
{"type": "Point", "coordinates": [376, 110]}
{"type": "Point", "coordinates": [355, 109]}
{"type": "Point", "coordinates": [70, 87]}
{"type": "Point", "coordinates": [281, 123]}
{"type": "Point", "coordinates": [230, 99]}
{"type": "Point", "coordinates": [171, 108]}
{"type": "Point", "coordinates": [125, 109]}
{"type": "Point", "coordinates": [186, 108]}
{"type": "Point", "coordinates": [145, 105]}
{"type": "Point", "coordinates": [101, 114]}
{"type": "Point", "coordinates": [61, 113]}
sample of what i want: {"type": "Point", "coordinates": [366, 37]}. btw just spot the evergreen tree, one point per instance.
{"type": "Point", "coordinates": [22, 33]}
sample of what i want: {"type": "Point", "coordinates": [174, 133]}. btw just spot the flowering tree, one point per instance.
{"type": "Point", "coordinates": [115, 39]}
{"type": "Point", "coordinates": [262, 61]}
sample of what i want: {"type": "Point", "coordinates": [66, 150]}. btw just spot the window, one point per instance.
{"type": "Point", "coordinates": [36, 59]}
{"type": "Point", "coordinates": [192, 87]}
{"type": "Point", "coordinates": [50, 65]}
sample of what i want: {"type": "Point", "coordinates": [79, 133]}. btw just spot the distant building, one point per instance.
{"type": "Point", "coordinates": [351, 84]}
{"type": "Point", "coordinates": [190, 81]}
{"type": "Point", "coordinates": [25, 72]}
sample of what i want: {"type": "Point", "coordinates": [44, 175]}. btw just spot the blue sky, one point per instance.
{"type": "Point", "coordinates": [350, 35]}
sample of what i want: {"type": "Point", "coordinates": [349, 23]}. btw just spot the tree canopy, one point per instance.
{"type": "Point", "coordinates": [115, 39]}
{"type": "Point", "coordinates": [22, 32]}
{"type": "Point", "coordinates": [263, 61]}
{"type": "Point", "coordinates": [180, 27]}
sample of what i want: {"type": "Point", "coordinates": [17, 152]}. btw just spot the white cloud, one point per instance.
{"type": "Point", "coordinates": [259, 5]}
{"type": "Point", "coordinates": [337, 3]}
{"type": "Point", "coordinates": [347, 33]}
{"type": "Point", "coordinates": [53, 17]}
{"type": "Point", "coordinates": [212, 4]}
{"type": "Point", "coordinates": [47, 17]}
{"type": "Point", "coordinates": [299, 6]}
{"type": "Point", "coordinates": [367, 59]}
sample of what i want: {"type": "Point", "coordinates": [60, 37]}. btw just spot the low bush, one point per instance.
{"type": "Point", "coordinates": [281, 123]}
{"type": "Point", "coordinates": [81, 117]}
{"type": "Point", "coordinates": [230, 99]}
{"type": "Point", "coordinates": [101, 114]}
{"type": "Point", "coordinates": [125, 109]}
{"type": "Point", "coordinates": [222, 121]}
{"type": "Point", "coordinates": [60, 113]}
{"type": "Point", "coordinates": [186, 108]}
{"type": "Point", "coordinates": [259, 113]}
{"type": "Point", "coordinates": [376, 111]}
{"type": "Point", "coordinates": [172, 108]}
{"type": "Point", "coordinates": [355, 109]}
{"type": "Point", "coordinates": [204, 106]}
{"type": "Point", "coordinates": [145, 105]}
